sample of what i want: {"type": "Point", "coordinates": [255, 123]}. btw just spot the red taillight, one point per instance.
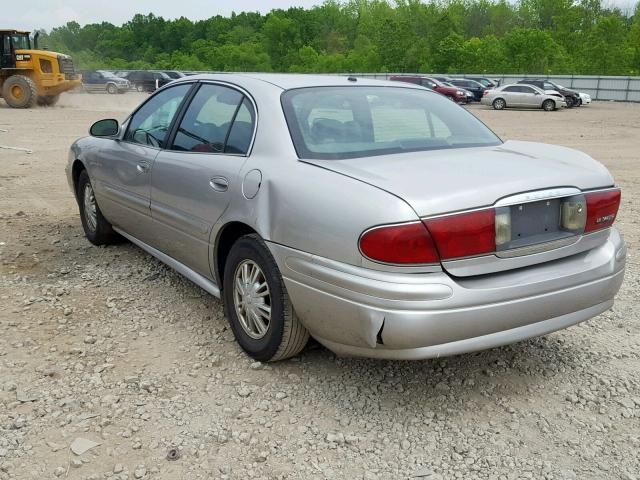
{"type": "Point", "coordinates": [486, 92]}
{"type": "Point", "coordinates": [405, 244]}
{"type": "Point", "coordinates": [465, 234]}
{"type": "Point", "coordinates": [602, 208]}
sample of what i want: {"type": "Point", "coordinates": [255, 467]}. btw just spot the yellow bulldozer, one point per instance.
{"type": "Point", "coordinates": [29, 76]}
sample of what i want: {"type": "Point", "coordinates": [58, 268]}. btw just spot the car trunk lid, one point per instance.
{"type": "Point", "coordinates": [443, 182]}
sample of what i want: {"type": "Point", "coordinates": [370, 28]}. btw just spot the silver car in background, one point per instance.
{"type": "Point", "coordinates": [378, 217]}
{"type": "Point", "coordinates": [523, 96]}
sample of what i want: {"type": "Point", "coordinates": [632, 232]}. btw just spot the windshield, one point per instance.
{"type": "Point", "coordinates": [108, 74]}
{"type": "Point", "coordinates": [21, 42]}
{"type": "Point", "coordinates": [350, 122]}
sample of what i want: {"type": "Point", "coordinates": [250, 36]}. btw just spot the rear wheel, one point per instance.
{"type": "Point", "coordinates": [20, 91]}
{"type": "Point", "coordinates": [48, 100]}
{"type": "Point", "coordinates": [112, 89]}
{"type": "Point", "coordinates": [257, 304]}
{"type": "Point", "coordinates": [499, 104]}
{"type": "Point", "coordinates": [96, 228]}
{"type": "Point", "coordinates": [549, 105]}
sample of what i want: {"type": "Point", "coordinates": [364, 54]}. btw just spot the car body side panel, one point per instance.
{"type": "Point", "coordinates": [313, 209]}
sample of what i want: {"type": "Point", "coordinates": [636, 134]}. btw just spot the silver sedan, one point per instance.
{"type": "Point", "coordinates": [378, 217]}
{"type": "Point", "coordinates": [523, 96]}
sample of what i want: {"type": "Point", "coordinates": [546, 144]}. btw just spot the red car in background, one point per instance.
{"type": "Point", "coordinates": [452, 93]}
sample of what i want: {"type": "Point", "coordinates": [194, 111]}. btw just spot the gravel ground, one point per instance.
{"type": "Point", "coordinates": [106, 349]}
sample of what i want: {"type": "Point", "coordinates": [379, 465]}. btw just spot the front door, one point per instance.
{"type": "Point", "coordinates": [193, 182]}
{"type": "Point", "coordinates": [7, 59]}
{"type": "Point", "coordinates": [122, 175]}
{"type": "Point", "coordinates": [530, 98]}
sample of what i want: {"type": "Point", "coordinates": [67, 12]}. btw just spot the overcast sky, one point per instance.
{"type": "Point", "coordinates": [33, 14]}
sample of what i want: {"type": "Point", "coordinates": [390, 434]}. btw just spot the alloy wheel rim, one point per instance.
{"type": "Point", "coordinates": [252, 299]}
{"type": "Point", "coordinates": [90, 208]}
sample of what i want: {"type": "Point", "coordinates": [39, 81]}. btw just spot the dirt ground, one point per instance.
{"type": "Point", "coordinates": [108, 345]}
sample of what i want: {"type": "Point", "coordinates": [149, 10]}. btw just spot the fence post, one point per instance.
{"type": "Point", "coordinates": [598, 89]}
{"type": "Point", "coordinates": [626, 96]}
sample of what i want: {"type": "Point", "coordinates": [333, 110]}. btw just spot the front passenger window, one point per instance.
{"type": "Point", "coordinates": [150, 124]}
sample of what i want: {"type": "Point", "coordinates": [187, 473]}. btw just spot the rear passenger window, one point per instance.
{"type": "Point", "coordinates": [207, 124]}
{"type": "Point", "coordinates": [241, 132]}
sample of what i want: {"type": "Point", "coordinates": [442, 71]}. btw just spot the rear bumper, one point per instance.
{"type": "Point", "coordinates": [360, 312]}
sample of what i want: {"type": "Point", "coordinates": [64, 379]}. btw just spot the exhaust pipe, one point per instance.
{"type": "Point", "coordinates": [35, 40]}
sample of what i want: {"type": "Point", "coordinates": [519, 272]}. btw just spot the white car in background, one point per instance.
{"type": "Point", "coordinates": [585, 97]}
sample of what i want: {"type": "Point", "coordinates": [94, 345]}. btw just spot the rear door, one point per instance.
{"type": "Point", "coordinates": [123, 167]}
{"type": "Point", "coordinates": [192, 183]}
{"type": "Point", "coordinates": [511, 95]}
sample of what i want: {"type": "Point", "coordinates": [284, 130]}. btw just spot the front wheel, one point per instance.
{"type": "Point", "coordinates": [257, 304]}
{"type": "Point", "coordinates": [20, 91]}
{"type": "Point", "coordinates": [549, 105]}
{"type": "Point", "coordinates": [499, 104]}
{"type": "Point", "coordinates": [96, 228]}
{"type": "Point", "coordinates": [112, 89]}
{"type": "Point", "coordinates": [570, 102]}
{"type": "Point", "coordinates": [140, 88]}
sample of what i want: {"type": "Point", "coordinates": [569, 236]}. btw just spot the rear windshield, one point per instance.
{"type": "Point", "coordinates": [350, 122]}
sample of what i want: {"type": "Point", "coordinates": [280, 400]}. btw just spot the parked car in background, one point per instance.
{"type": "Point", "coordinates": [571, 96]}
{"type": "Point", "coordinates": [585, 98]}
{"type": "Point", "coordinates": [174, 74]}
{"type": "Point", "coordinates": [522, 96]}
{"type": "Point", "coordinates": [147, 81]}
{"type": "Point", "coordinates": [103, 81]}
{"type": "Point", "coordinates": [487, 82]}
{"type": "Point", "coordinates": [452, 93]}
{"type": "Point", "coordinates": [441, 78]}
{"type": "Point", "coordinates": [470, 95]}
{"type": "Point", "coordinates": [471, 85]}
{"type": "Point", "coordinates": [375, 216]}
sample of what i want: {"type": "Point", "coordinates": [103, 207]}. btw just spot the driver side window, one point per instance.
{"type": "Point", "coordinates": [150, 124]}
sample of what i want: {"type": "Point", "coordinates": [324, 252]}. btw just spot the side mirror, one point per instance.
{"type": "Point", "coordinates": [104, 128]}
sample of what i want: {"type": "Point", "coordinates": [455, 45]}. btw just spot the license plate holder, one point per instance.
{"type": "Point", "coordinates": [534, 222]}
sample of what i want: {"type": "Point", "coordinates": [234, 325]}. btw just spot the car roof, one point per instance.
{"type": "Point", "coordinates": [4, 30]}
{"type": "Point", "coordinates": [287, 81]}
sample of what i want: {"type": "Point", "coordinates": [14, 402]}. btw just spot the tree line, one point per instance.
{"type": "Point", "coordinates": [585, 37]}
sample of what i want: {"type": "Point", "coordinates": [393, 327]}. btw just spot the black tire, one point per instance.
{"type": "Point", "coordinates": [499, 104]}
{"type": "Point", "coordinates": [579, 102]}
{"type": "Point", "coordinates": [102, 233]}
{"type": "Point", "coordinates": [20, 92]}
{"type": "Point", "coordinates": [549, 105]}
{"type": "Point", "coordinates": [48, 100]}
{"type": "Point", "coordinates": [285, 335]}
{"type": "Point", "coordinates": [570, 102]}
{"type": "Point", "coordinates": [140, 88]}
{"type": "Point", "coordinates": [112, 89]}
